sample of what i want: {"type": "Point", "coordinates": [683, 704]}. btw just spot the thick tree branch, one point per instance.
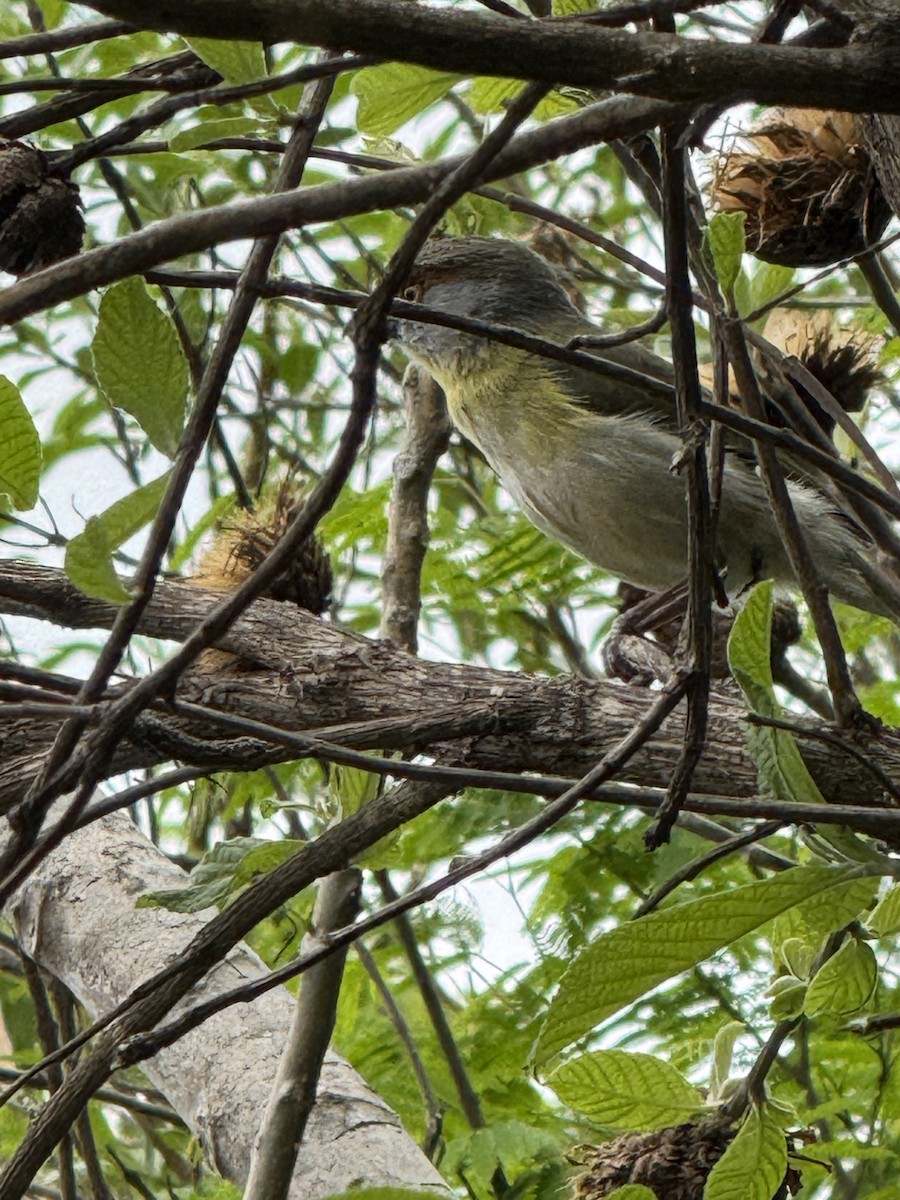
{"type": "Point", "coordinates": [192, 232]}
{"type": "Point", "coordinates": [861, 77]}
{"type": "Point", "coordinates": [296, 672]}
{"type": "Point", "coordinates": [63, 920]}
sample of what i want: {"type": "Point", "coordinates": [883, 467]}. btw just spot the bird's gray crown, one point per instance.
{"type": "Point", "coordinates": [495, 280]}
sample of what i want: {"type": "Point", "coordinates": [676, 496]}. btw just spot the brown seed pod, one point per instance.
{"type": "Point", "coordinates": [843, 361]}
{"type": "Point", "coordinates": [244, 542]}
{"type": "Point", "coordinates": [674, 1163]}
{"type": "Point", "coordinates": [807, 186]}
{"type": "Point", "coordinates": [40, 212]}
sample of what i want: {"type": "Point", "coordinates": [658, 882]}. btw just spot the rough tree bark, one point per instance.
{"type": "Point", "coordinates": [76, 917]}
{"type": "Point", "coordinates": [294, 671]}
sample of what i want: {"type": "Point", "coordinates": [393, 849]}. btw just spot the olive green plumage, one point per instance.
{"type": "Point", "coordinates": [589, 457]}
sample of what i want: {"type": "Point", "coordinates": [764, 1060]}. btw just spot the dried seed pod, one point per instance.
{"type": "Point", "coordinates": [843, 361]}
{"type": "Point", "coordinates": [40, 211]}
{"type": "Point", "coordinates": [244, 542]}
{"type": "Point", "coordinates": [674, 1163]}
{"type": "Point", "coordinates": [807, 186]}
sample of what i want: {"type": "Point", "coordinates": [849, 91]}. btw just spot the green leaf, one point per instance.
{"type": "Point", "coordinates": [628, 961]}
{"type": "Point", "coordinates": [845, 983]}
{"type": "Point", "coordinates": [215, 1189]}
{"type": "Point", "coordinates": [89, 562]}
{"type": "Point", "coordinates": [768, 281]}
{"type": "Point", "coordinates": [491, 94]}
{"type": "Point", "coordinates": [297, 366]}
{"type": "Point", "coordinates": [139, 363]}
{"type": "Point", "coordinates": [236, 62]}
{"type": "Point", "coordinates": [750, 650]}
{"type": "Point", "coordinates": [727, 241]}
{"type": "Point", "coordinates": [512, 1145]}
{"type": "Point", "coordinates": [626, 1091]}
{"type": "Point", "coordinates": [632, 1191]}
{"type": "Point", "coordinates": [567, 8]}
{"type": "Point", "coordinates": [782, 771]}
{"type": "Point", "coordinates": [788, 996]}
{"type": "Point", "coordinates": [228, 866]}
{"type": "Point", "coordinates": [350, 788]}
{"type": "Point", "coordinates": [797, 934]}
{"type": "Point", "coordinates": [20, 450]}
{"type": "Point", "coordinates": [723, 1052]}
{"type": "Point", "coordinates": [754, 1165]}
{"type": "Point", "coordinates": [885, 917]}
{"type": "Point", "coordinates": [390, 94]}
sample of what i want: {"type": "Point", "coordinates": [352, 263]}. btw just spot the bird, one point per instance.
{"type": "Point", "coordinates": [588, 457]}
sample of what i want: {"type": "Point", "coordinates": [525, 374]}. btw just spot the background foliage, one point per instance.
{"type": "Point", "coordinates": [107, 380]}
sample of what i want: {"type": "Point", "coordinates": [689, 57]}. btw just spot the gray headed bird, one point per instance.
{"type": "Point", "coordinates": [588, 457]}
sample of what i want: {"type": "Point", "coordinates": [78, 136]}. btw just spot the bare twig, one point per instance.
{"type": "Point", "coordinates": [697, 631]}
{"type": "Point", "coordinates": [294, 1088]}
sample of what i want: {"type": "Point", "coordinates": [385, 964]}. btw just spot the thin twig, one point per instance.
{"type": "Point", "coordinates": [46, 42]}
{"type": "Point", "coordinates": [294, 1088]}
{"type": "Point", "coordinates": [469, 1100]}
{"type": "Point", "coordinates": [697, 630]}
{"type": "Point", "coordinates": [434, 1118]}
{"type": "Point", "coordinates": [702, 863]}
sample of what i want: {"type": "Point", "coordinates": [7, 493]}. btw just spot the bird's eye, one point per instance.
{"type": "Point", "coordinates": [413, 293]}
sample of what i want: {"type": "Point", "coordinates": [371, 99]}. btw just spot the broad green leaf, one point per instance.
{"type": "Point", "coordinates": [782, 771]}
{"type": "Point", "coordinates": [262, 859]}
{"type": "Point", "coordinates": [236, 62]}
{"type": "Point", "coordinates": [750, 650]}
{"type": "Point", "coordinates": [390, 94]}
{"type": "Point", "coordinates": [626, 1091]}
{"type": "Point", "coordinates": [788, 995]}
{"type": "Point", "coordinates": [89, 562]}
{"type": "Point", "coordinates": [228, 866]}
{"type": "Point", "coordinates": [885, 917]}
{"type": "Point", "coordinates": [797, 956]}
{"type": "Point", "coordinates": [20, 450]}
{"type": "Point", "coordinates": [567, 8]}
{"type": "Point", "coordinates": [797, 934]}
{"type": "Point", "coordinates": [767, 282]}
{"type": "Point", "coordinates": [350, 788]}
{"type": "Point", "coordinates": [491, 94]}
{"type": "Point", "coordinates": [845, 983]}
{"type": "Point", "coordinates": [632, 1191]}
{"type": "Point", "coordinates": [511, 1145]}
{"type": "Point", "coordinates": [723, 1052]}
{"type": "Point", "coordinates": [297, 365]}
{"type": "Point", "coordinates": [727, 242]}
{"type": "Point", "coordinates": [17, 1015]}
{"type": "Point", "coordinates": [139, 363]}
{"type": "Point", "coordinates": [754, 1165]}
{"type": "Point", "coordinates": [628, 961]}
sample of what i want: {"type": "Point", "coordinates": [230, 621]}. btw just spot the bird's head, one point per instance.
{"type": "Point", "coordinates": [498, 282]}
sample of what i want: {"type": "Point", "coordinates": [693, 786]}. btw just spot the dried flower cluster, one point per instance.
{"type": "Point", "coordinates": [40, 211]}
{"type": "Point", "coordinates": [807, 186]}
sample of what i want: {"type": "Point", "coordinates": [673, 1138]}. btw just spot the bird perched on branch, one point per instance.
{"type": "Point", "coordinates": [589, 457]}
